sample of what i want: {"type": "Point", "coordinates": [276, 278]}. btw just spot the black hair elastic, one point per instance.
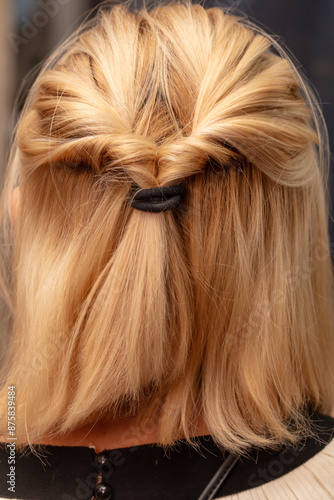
{"type": "Point", "coordinates": [157, 199]}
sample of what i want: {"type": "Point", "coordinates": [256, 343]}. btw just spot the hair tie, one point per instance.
{"type": "Point", "coordinates": [158, 199]}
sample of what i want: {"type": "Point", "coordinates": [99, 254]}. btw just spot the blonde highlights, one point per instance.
{"type": "Point", "coordinates": [223, 306]}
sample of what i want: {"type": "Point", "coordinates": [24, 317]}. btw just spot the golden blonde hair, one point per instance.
{"type": "Point", "coordinates": [222, 306]}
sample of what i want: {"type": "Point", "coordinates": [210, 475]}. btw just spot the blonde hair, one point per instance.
{"type": "Point", "coordinates": [222, 306]}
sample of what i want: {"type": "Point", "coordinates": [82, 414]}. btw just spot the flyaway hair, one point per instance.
{"type": "Point", "coordinates": [221, 306]}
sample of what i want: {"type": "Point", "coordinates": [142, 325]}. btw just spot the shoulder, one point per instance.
{"type": "Point", "coordinates": [312, 480]}
{"type": "Point", "coordinates": [304, 472]}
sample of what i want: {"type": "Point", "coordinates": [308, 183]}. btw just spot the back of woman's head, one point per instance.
{"type": "Point", "coordinates": [221, 306]}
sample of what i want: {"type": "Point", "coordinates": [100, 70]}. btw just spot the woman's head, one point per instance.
{"type": "Point", "coordinates": [221, 306]}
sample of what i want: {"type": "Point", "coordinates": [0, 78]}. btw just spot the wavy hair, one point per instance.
{"type": "Point", "coordinates": [222, 306]}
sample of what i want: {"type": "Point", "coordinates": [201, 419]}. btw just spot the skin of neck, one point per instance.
{"type": "Point", "coordinates": [115, 434]}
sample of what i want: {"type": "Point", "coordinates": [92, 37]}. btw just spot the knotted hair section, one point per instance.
{"type": "Point", "coordinates": [109, 156]}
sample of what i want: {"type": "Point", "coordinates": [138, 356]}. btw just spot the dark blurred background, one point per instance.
{"type": "Point", "coordinates": [30, 29]}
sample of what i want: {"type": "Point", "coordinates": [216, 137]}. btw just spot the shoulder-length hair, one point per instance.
{"type": "Point", "coordinates": [221, 307]}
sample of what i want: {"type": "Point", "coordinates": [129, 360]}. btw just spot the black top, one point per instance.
{"type": "Point", "coordinates": [146, 472]}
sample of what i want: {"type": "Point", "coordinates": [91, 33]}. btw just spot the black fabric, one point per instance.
{"type": "Point", "coordinates": [221, 476]}
{"type": "Point", "coordinates": [147, 473]}
{"type": "Point", "coordinates": [63, 473]}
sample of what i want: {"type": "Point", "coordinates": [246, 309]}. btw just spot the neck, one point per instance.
{"type": "Point", "coordinates": [121, 433]}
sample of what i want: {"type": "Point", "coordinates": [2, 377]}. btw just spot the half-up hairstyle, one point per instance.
{"type": "Point", "coordinates": [221, 306]}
